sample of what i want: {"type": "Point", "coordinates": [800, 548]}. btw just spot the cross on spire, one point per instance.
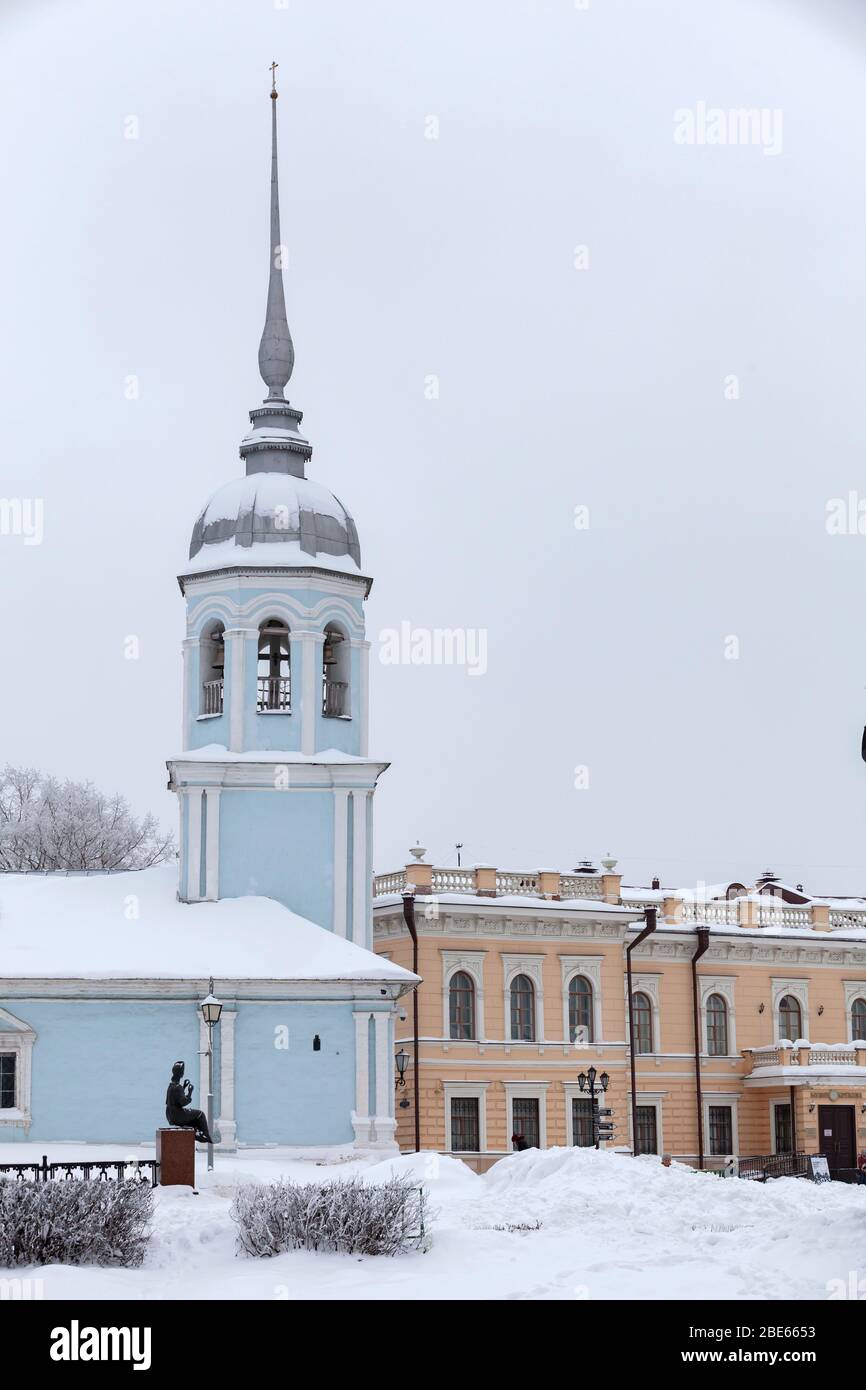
{"type": "Point", "coordinates": [274, 67]}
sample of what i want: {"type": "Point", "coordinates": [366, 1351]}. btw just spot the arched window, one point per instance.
{"type": "Point", "coordinates": [717, 1026]}
{"type": "Point", "coordinates": [522, 1009]}
{"type": "Point", "coordinates": [790, 1019]}
{"type": "Point", "coordinates": [336, 656]}
{"type": "Point", "coordinates": [580, 1009]}
{"type": "Point", "coordinates": [274, 688]}
{"type": "Point", "coordinates": [461, 1005]}
{"type": "Point", "coordinates": [858, 1019]}
{"type": "Point", "coordinates": [212, 662]}
{"type": "Point", "coordinates": [642, 1010]}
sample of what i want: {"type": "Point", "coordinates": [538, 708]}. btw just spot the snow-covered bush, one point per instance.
{"type": "Point", "coordinates": [49, 825]}
{"type": "Point", "coordinates": [351, 1216]}
{"type": "Point", "coordinates": [73, 1222]}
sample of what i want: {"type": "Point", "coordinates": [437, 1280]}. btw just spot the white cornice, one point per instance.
{"type": "Point", "coordinates": [373, 991]}
{"type": "Point", "coordinates": [259, 776]}
{"type": "Point", "coordinates": [224, 577]}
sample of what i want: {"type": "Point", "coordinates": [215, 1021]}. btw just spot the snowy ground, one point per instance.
{"type": "Point", "coordinates": [611, 1227]}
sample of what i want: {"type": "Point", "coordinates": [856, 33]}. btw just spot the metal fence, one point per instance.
{"type": "Point", "coordinates": [96, 1170]}
{"type": "Point", "coordinates": [774, 1166]}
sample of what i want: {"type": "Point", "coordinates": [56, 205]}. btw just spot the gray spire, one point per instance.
{"type": "Point", "coordinates": [276, 351]}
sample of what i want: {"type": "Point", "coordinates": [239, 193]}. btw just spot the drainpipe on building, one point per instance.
{"type": "Point", "coordinates": [793, 1119]}
{"type": "Point", "coordinates": [409, 919]}
{"type": "Point", "coordinates": [703, 935]}
{"type": "Point", "coordinates": [650, 919]}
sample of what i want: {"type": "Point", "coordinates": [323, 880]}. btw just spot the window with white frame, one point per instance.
{"type": "Point", "coordinates": [790, 1008]}
{"type": "Point", "coordinates": [8, 1075]}
{"type": "Point", "coordinates": [647, 1138]}
{"type": "Point", "coordinates": [717, 1026]}
{"type": "Point", "coordinates": [461, 1005]}
{"type": "Point", "coordinates": [16, 1057]}
{"type": "Point", "coordinates": [721, 1129]}
{"type": "Point", "coordinates": [790, 1018]}
{"type": "Point", "coordinates": [463, 997]}
{"type": "Point", "coordinates": [580, 1009]}
{"type": "Point", "coordinates": [465, 1116]}
{"type": "Point", "coordinates": [783, 1127]}
{"type": "Point", "coordinates": [526, 1111]}
{"type": "Point", "coordinates": [465, 1124]}
{"type": "Point", "coordinates": [522, 1001]}
{"type": "Point", "coordinates": [642, 1026]}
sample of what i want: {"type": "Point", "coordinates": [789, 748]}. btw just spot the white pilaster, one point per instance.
{"type": "Point", "coordinates": [193, 845]}
{"type": "Point", "coordinates": [311, 694]}
{"type": "Point", "coordinates": [236, 642]}
{"type": "Point", "coordinates": [384, 1122]}
{"type": "Point", "coordinates": [189, 648]}
{"type": "Point", "coordinates": [360, 885]}
{"type": "Point", "coordinates": [226, 1124]}
{"type": "Point", "coordinates": [364, 699]}
{"type": "Point", "coordinates": [341, 858]}
{"type": "Point", "coordinates": [362, 1121]}
{"type": "Point", "coordinates": [212, 846]}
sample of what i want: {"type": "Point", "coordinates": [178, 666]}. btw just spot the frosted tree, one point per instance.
{"type": "Point", "coordinates": [49, 825]}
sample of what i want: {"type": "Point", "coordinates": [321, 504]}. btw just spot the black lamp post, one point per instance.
{"type": "Point", "coordinates": [586, 1081]}
{"type": "Point", "coordinates": [211, 1008]}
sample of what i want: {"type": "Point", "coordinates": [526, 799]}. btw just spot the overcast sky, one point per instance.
{"type": "Point", "coordinates": [697, 384]}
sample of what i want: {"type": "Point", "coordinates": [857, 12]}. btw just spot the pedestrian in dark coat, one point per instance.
{"type": "Point", "coordinates": [520, 1142]}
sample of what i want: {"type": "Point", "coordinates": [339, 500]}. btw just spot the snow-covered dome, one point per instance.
{"type": "Point", "coordinates": [274, 519]}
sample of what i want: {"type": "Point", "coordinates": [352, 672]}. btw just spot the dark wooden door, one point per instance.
{"type": "Point", "coordinates": [836, 1135]}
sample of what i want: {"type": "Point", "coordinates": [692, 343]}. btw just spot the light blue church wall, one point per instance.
{"type": "Point", "coordinates": [100, 1068]}
{"type": "Point", "coordinates": [266, 840]}
{"type": "Point", "coordinates": [293, 1095]}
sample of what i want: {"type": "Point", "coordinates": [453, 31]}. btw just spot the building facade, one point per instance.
{"type": "Point", "coordinates": [525, 987]}
{"type": "Point", "coordinates": [101, 975]}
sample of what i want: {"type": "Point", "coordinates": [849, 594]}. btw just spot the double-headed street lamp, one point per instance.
{"type": "Point", "coordinates": [211, 1008]}
{"type": "Point", "coordinates": [602, 1127]}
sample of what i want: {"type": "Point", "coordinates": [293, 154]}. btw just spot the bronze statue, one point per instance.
{"type": "Point", "coordinates": [177, 1098]}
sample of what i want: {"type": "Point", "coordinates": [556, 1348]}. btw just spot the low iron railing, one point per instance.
{"type": "Point", "coordinates": [108, 1170]}
{"type": "Point", "coordinates": [774, 1166]}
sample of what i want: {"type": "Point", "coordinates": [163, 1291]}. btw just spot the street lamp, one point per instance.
{"type": "Point", "coordinates": [211, 1008]}
{"type": "Point", "coordinates": [602, 1127]}
{"type": "Point", "coordinates": [402, 1060]}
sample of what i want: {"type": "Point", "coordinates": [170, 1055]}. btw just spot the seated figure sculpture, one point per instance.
{"type": "Point", "coordinates": [177, 1099]}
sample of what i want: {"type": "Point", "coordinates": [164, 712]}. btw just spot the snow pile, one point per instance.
{"type": "Point", "coordinates": [557, 1224]}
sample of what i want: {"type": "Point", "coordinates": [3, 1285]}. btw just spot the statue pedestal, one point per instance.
{"type": "Point", "coordinates": [175, 1154]}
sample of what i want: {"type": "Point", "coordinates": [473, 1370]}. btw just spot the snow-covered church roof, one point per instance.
{"type": "Point", "coordinates": [267, 519]}
{"type": "Point", "coordinates": [106, 926]}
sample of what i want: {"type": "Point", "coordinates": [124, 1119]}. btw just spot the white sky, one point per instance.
{"type": "Point", "coordinates": [602, 387]}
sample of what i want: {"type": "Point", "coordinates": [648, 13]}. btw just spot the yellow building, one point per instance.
{"type": "Point", "coordinates": [525, 988]}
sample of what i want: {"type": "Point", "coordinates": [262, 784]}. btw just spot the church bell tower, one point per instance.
{"type": "Point", "coordinates": [274, 782]}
